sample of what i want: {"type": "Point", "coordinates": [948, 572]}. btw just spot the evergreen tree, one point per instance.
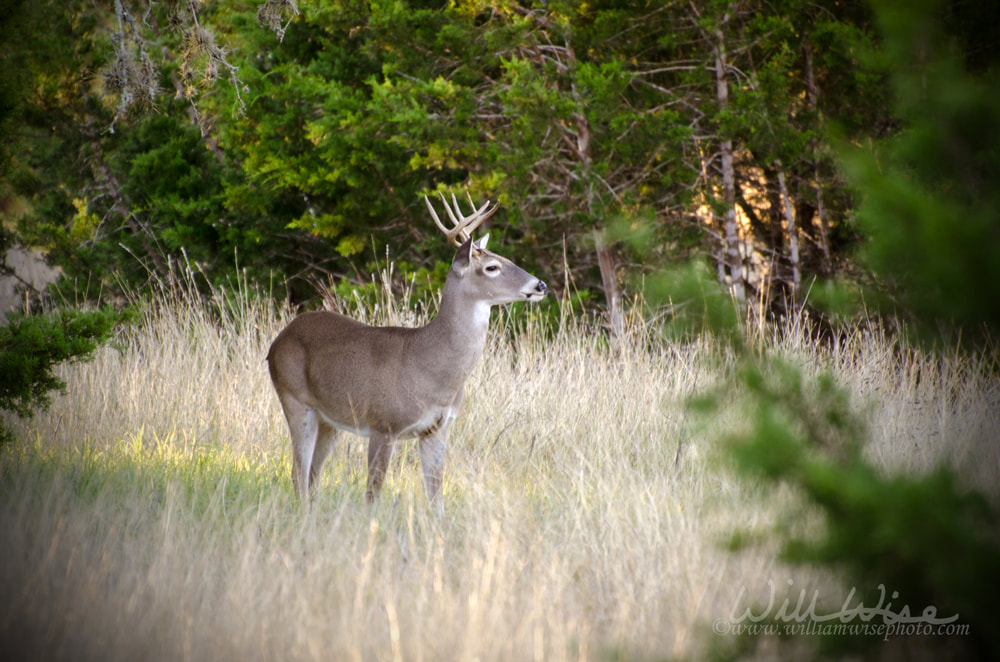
{"type": "Point", "coordinates": [929, 193]}
{"type": "Point", "coordinates": [154, 137]}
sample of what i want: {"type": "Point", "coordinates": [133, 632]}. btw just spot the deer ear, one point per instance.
{"type": "Point", "coordinates": [464, 255]}
{"type": "Point", "coordinates": [481, 244]}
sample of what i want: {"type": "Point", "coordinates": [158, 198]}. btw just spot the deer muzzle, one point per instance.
{"type": "Point", "coordinates": [539, 291]}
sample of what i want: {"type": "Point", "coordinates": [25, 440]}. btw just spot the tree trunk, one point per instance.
{"type": "Point", "coordinates": [577, 138]}
{"type": "Point", "coordinates": [734, 257]}
{"type": "Point", "coordinates": [793, 235]}
{"type": "Point", "coordinates": [609, 281]}
{"type": "Point", "coordinates": [812, 96]}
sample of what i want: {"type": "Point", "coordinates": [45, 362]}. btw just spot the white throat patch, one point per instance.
{"type": "Point", "coordinates": [481, 314]}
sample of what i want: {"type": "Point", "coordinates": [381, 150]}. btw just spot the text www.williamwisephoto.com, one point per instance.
{"type": "Point", "coordinates": [799, 614]}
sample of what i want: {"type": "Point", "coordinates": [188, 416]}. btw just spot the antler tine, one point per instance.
{"type": "Point", "coordinates": [470, 223]}
{"type": "Point", "coordinates": [437, 220]}
{"type": "Point", "coordinates": [463, 225]}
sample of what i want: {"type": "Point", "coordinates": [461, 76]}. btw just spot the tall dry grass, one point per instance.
{"type": "Point", "coordinates": [149, 513]}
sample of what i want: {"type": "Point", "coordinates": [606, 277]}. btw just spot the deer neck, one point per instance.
{"type": "Point", "coordinates": [459, 330]}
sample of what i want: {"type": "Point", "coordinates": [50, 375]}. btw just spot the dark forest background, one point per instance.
{"type": "Point", "coordinates": [290, 145]}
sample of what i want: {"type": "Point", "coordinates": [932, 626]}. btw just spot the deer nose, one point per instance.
{"type": "Point", "coordinates": [541, 288]}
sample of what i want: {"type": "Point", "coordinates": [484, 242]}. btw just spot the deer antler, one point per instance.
{"type": "Point", "coordinates": [464, 225]}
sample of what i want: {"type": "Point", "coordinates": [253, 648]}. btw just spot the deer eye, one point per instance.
{"type": "Point", "coordinates": [492, 269]}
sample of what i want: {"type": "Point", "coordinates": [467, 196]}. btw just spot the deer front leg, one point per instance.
{"type": "Point", "coordinates": [380, 447]}
{"type": "Point", "coordinates": [432, 452]}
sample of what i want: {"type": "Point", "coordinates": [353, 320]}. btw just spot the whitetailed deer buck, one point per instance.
{"type": "Point", "coordinates": [335, 374]}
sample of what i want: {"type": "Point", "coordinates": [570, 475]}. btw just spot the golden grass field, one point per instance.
{"type": "Point", "coordinates": [149, 513]}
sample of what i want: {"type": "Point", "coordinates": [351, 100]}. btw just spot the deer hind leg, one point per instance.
{"type": "Point", "coordinates": [303, 428]}
{"type": "Point", "coordinates": [380, 447]}
{"type": "Point", "coordinates": [326, 435]}
{"type": "Point", "coordinates": [432, 452]}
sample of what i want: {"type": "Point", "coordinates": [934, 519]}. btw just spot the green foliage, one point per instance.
{"type": "Point", "coordinates": [929, 194]}
{"type": "Point", "coordinates": [12, 78]}
{"type": "Point", "coordinates": [930, 206]}
{"type": "Point", "coordinates": [925, 539]}
{"type": "Point", "coordinates": [571, 115]}
{"type": "Point", "coordinates": [696, 305]}
{"type": "Point", "coordinates": [32, 345]}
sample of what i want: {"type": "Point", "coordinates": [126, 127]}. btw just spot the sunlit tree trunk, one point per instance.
{"type": "Point", "coordinates": [734, 257]}
{"type": "Point", "coordinates": [793, 235]}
